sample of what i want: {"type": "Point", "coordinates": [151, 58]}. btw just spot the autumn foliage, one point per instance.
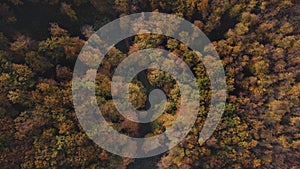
{"type": "Point", "coordinates": [258, 42]}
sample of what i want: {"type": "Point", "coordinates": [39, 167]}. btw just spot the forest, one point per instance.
{"type": "Point", "coordinates": [258, 42]}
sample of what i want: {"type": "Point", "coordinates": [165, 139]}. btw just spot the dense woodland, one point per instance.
{"type": "Point", "coordinates": [257, 40]}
